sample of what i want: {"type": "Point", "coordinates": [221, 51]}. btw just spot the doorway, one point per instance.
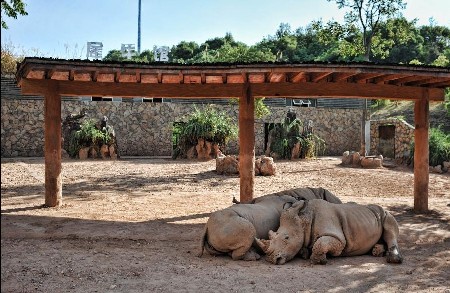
{"type": "Point", "coordinates": [386, 146]}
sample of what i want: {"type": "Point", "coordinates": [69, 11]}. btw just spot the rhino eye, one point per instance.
{"type": "Point", "coordinates": [286, 237]}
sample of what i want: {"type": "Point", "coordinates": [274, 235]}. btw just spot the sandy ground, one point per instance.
{"type": "Point", "coordinates": [133, 225]}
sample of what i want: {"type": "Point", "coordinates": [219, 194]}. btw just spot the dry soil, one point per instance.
{"type": "Point", "coordinates": [133, 225]}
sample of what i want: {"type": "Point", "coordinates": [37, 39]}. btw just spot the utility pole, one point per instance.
{"type": "Point", "coordinates": [139, 28]}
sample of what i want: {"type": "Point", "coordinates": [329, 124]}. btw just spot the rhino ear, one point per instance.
{"type": "Point", "coordinates": [298, 206]}
{"type": "Point", "coordinates": [263, 244]}
{"type": "Point", "coordinates": [287, 205]}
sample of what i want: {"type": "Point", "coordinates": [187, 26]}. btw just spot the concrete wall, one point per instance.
{"type": "Point", "coordinates": [145, 129]}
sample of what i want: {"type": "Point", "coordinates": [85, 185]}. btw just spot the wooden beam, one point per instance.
{"type": "Point", "coordinates": [174, 90]}
{"type": "Point", "coordinates": [344, 90]}
{"type": "Point", "coordinates": [52, 134]}
{"type": "Point", "coordinates": [246, 143]}
{"type": "Point", "coordinates": [421, 153]}
{"type": "Point", "coordinates": [307, 89]}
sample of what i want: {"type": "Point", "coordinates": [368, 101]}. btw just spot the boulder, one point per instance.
{"type": "Point", "coordinates": [266, 166]}
{"type": "Point", "coordinates": [104, 152]}
{"type": "Point", "coordinates": [227, 165]}
{"type": "Point", "coordinates": [371, 162]}
{"type": "Point", "coordinates": [83, 153]}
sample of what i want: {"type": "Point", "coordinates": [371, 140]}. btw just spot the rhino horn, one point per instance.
{"type": "Point", "coordinates": [271, 234]}
{"type": "Point", "coordinates": [263, 244]}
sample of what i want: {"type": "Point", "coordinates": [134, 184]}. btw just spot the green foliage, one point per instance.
{"type": "Point", "coordinates": [369, 14]}
{"type": "Point", "coordinates": [261, 110]}
{"type": "Point", "coordinates": [87, 136]}
{"type": "Point", "coordinates": [447, 101]}
{"type": "Point", "coordinates": [292, 131]}
{"type": "Point", "coordinates": [380, 104]}
{"type": "Point", "coordinates": [439, 147]}
{"type": "Point", "coordinates": [208, 124]}
{"type": "Point", "coordinates": [12, 8]}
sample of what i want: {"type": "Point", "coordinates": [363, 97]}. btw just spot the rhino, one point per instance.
{"type": "Point", "coordinates": [314, 228]}
{"type": "Point", "coordinates": [233, 230]}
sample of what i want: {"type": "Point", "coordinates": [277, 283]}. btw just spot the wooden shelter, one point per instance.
{"type": "Point", "coordinates": [54, 78]}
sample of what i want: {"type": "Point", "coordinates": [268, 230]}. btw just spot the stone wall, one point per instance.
{"type": "Point", "coordinates": [145, 129]}
{"type": "Point", "coordinates": [404, 135]}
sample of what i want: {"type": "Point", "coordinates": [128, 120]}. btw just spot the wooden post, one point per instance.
{"type": "Point", "coordinates": [53, 183]}
{"type": "Point", "coordinates": [246, 144]}
{"type": "Point", "coordinates": [421, 153]}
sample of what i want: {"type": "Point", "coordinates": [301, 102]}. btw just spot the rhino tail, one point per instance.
{"type": "Point", "coordinates": [204, 245]}
{"type": "Point", "coordinates": [203, 241]}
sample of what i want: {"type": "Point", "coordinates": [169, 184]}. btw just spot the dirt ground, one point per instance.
{"type": "Point", "coordinates": [133, 225]}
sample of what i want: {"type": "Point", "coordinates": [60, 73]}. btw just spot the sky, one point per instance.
{"type": "Point", "coordinates": [61, 28]}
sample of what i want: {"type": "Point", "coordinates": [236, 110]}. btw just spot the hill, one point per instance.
{"type": "Point", "coordinates": [438, 114]}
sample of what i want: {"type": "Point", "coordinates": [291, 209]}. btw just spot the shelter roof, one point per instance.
{"type": "Point", "coordinates": [300, 78]}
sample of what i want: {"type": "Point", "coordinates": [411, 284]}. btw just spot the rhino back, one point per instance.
{"type": "Point", "coordinates": [358, 226]}
{"type": "Point", "coordinates": [264, 217]}
{"type": "Point", "coordinates": [308, 193]}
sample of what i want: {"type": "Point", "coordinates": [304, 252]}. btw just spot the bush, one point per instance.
{"type": "Point", "coordinates": [291, 132]}
{"type": "Point", "coordinates": [439, 147]}
{"type": "Point", "coordinates": [208, 124]}
{"type": "Point", "coordinates": [87, 136]}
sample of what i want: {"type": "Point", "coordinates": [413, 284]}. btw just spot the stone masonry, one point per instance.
{"type": "Point", "coordinates": [404, 136]}
{"type": "Point", "coordinates": [145, 129]}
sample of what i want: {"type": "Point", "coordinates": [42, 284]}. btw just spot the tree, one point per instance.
{"type": "Point", "coordinates": [436, 40]}
{"type": "Point", "coordinates": [9, 58]}
{"type": "Point", "coordinates": [12, 8]}
{"type": "Point", "coordinates": [370, 13]}
{"type": "Point", "coordinates": [184, 51]}
{"type": "Point", "coordinates": [397, 41]}
{"type": "Point", "coordinates": [282, 44]}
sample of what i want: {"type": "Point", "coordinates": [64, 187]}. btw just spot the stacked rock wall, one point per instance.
{"type": "Point", "coordinates": [145, 129]}
{"type": "Point", "coordinates": [404, 136]}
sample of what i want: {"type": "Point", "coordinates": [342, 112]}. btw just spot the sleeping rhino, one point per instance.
{"type": "Point", "coordinates": [233, 230]}
{"type": "Point", "coordinates": [324, 228]}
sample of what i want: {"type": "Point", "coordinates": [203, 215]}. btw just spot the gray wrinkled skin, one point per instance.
{"type": "Point", "coordinates": [315, 228]}
{"type": "Point", "coordinates": [233, 230]}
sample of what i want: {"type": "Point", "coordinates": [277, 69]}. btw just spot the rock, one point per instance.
{"type": "Point", "coordinates": [203, 149]}
{"type": "Point", "coordinates": [227, 165]}
{"type": "Point", "coordinates": [64, 154]}
{"type": "Point", "coordinates": [371, 162]}
{"type": "Point", "coordinates": [83, 153]}
{"type": "Point", "coordinates": [295, 153]}
{"type": "Point", "coordinates": [93, 153]}
{"type": "Point", "coordinates": [436, 169]}
{"type": "Point", "coordinates": [346, 158]}
{"type": "Point", "coordinates": [104, 152]}
{"type": "Point", "coordinates": [446, 166]}
{"type": "Point", "coordinates": [267, 166]}
{"type": "Point", "coordinates": [190, 154]}
{"type": "Point", "coordinates": [356, 159]}
{"type": "Point", "coordinates": [112, 152]}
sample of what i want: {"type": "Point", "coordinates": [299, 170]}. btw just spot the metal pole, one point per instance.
{"type": "Point", "coordinates": [139, 29]}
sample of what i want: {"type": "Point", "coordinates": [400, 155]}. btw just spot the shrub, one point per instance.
{"type": "Point", "coordinates": [439, 147]}
{"type": "Point", "coordinates": [87, 136]}
{"type": "Point", "coordinates": [208, 124]}
{"type": "Point", "coordinates": [292, 131]}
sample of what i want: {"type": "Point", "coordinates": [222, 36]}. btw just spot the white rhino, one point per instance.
{"type": "Point", "coordinates": [315, 228]}
{"type": "Point", "coordinates": [233, 230]}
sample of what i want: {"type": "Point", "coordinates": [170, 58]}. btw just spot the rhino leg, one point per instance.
{"type": "Point", "coordinates": [378, 250]}
{"type": "Point", "coordinates": [390, 236]}
{"type": "Point", "coordinates": [324, 245]}
{"type": "Point", "coordinates": [250, 254]}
